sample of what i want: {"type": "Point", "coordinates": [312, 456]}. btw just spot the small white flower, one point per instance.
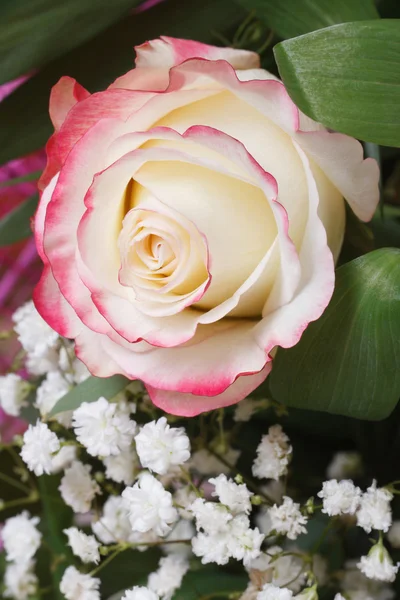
{"type": "Point", "coordinates": [13, 393]}
{"type": "Point", "coordinates": [63, 459]}
{"type": "Point", "coordinates": [375, 511]}
{"type": "Point", "coordinates": [86, 547]}
{"type": "Point", "coordinates": [37, 338]}
{"type": "Point", "coordinates": [344, 465]}
{"type": "Point", "coordinates": [40, 443]}
{"type": "Point", "coordinates": [394, 534]}
{"type": "Point", "coordinates": [235, 540]}
{"type": "Point", "coordinates": [339, 497]}
{"type": "Point", "coordinates": [79, 586]}
{"type": "Point", "coordinates": [235, 497]}
{"type": "Point", "coordinates": [160, 446]}
{"type": "Point", "coordinates": [273, 454]}
{"type": "Point", "coordinates": [34, 334]}
{"type": "Point", "coordinates": [77, 487]}
{"type": "Point", "coordinates": [271, 592]}
{"type": "Point", "coordinates": [21, 538]}
{"type": "Point", "coordinates": [54, 387]}
{"type": "Point", "coordinates": [114, 524]}
{"type": "Point", "coordinates": [206, 463]}
{"type": "Point", "coordinates": [339, 597]}
{"type": "Point", "coordinates": [123, 467]}
{"type": "Point", "coordinates": [102, 428]}
{"type": "Point", "coordinates": [243, 542]}
{"type": "Point", "coordinates": [168, 576]}
{"type": "Point", "coordinates": [378, 564]}
{"type": "Point", "coordinates": [211, 548]}
{"type": "Point", "coordinates": [287, 519]}
{"type": "Point", "coordinates": [210, 516]}
{"type": "Point", "coordinates": [20, 580]}
{"type": "Point", "coordinates": [139, 593]}
{"type": "Point", "coordinates": [150, 506]}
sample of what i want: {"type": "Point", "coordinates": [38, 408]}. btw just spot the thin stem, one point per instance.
{"type": "Point", "coordinates": [107, 560]}
{"type": "Point", "coordinates": [32, 499]}
{"type": "Point", "coordinates": [226, 594]}
{"type": "Point", "coordinates": [15, 483]}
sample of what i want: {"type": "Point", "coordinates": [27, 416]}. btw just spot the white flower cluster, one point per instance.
{"type": "Point", "coordinates": [273, 454]}
{"type": "Point", "coordinates": [21, 540]}
{"type": "Point", "coordinates": [371, 508]}
{"type": "Point", "coordinates": [287, 519]}
{"type": "Point", "coordinates": [13, 393]}
{"type": "Point", "coordinates": [39, 341]}
{"type": "Point", "coordinates": [223, 527]}
{"type": "Point", "coordinates": [46, 355]}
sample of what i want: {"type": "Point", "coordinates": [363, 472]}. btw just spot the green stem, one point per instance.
{"type": "Point", "coordinates": [32, 499]}
{"type": "Point", "coordinates": [15, 483]}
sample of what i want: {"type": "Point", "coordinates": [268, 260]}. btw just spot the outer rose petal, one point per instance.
{"type": "Point", "coordinates": [341, 159]}
{"type": "Point", "coordinates": [64, 95]}
{"type": "Point", "coordinates": [189, 405]}
{"type": "Point", "coordinates": [53, 307]}
{"type": "Point", "coordinates": [168, 52]}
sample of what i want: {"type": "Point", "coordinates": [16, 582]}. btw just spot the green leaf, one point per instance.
{"type": "Point", "coordinates": [211, 581]}
{"type": "Point", "coordinates": [22, 130]}
{"type": "Point", "coordinates": [90, 390]}
{"type": "Point", "coordinates": [347, 361]}
{"type": "Point", "coordinates": [289, 18]}
{"type": "Point", "coordinates": [23, 179]}
{"type": "Point", "coordinates": [55, 517]}
{"type": "Point", "coordinates": [15, 226]}
{"type": "Point", "coordinates": [347, 77]}
{"type": "Point", "coordinates": [34, 31]}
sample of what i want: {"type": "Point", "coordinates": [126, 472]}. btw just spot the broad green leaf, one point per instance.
{"type": "Point", "coordinates": [24, 122]}
{"type": "Point", "coordinates": [33, 32]}
{"type": "Point", "coordinates": [90, 390]}
{"type": "Point", "coordinates": [55, 517]}
{"type": "Point", "coordinates": [15, 225]}
{"type": "Point", "coordinates": [347, 361]}
{"type": "Point", "coordinates": [209, 582]}
{"type": "Point", "coordinates": [347, 77]}
{"type": "Point", "coordinates": [289, 18]}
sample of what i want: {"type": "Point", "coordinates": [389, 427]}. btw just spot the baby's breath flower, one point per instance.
{"type": "Point", "coordinates": [375, 511]}
{"type": "Point", "coordinates": [77, 487]}
{"type": "Point", "coordinates": [235, 497]}
{"type": "Point", "coordinates": [13, 393]}
{"type": "Point", "coordinates": [160, 446]}
{"type": "Point", "coordinates": [273, 454]}
{"type": "Point", "coordinates": [287, 519]}
{"type": "Point", "coordinates": [21, 538]}
{"type": "Point", "coordinates": [102, 428]}
{"type": "Point", "coordinates": [150, 506]}
{"type": "Point", "coordinates": [86, 547]}
{"type": "Point", "coordinates": [40, 443]}
{"type": "Point", "coordinates": [168, 576]}
{"type": "Point", "coordinates": [378, 564]}
{"type": "Point", "coordinates": [79, 586]}
{"type": "Point", "coordinates": [340, 497]}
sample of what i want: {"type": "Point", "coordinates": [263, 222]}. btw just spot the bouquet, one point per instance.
{"type": "Point", "coordinates": [199, 394]}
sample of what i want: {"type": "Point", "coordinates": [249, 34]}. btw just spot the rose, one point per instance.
{"type": "Point", "coordinates": [189, 222]}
